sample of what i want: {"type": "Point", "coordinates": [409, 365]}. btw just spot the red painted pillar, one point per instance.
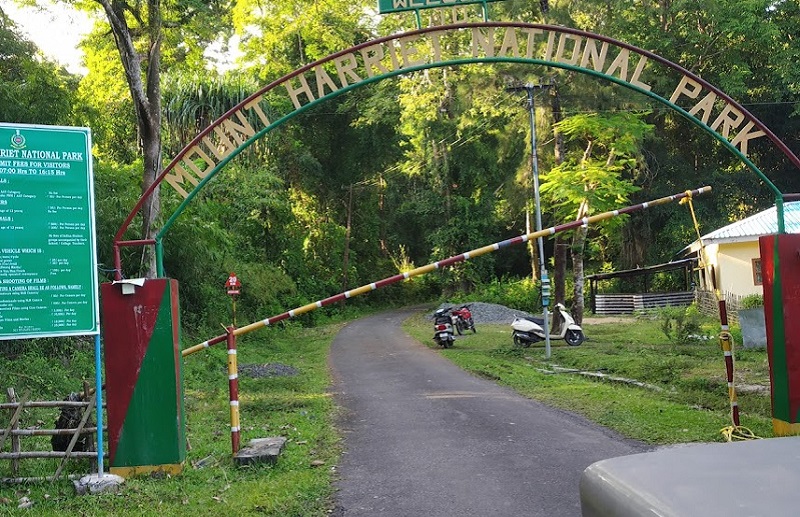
{"type": "Point", "coordinates": [144, 385]}
{"type": "Point", "coordinates": [780, 267]}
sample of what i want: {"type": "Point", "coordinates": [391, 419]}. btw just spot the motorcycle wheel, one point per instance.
{"type": "Point", "coordinates": [574, 337]}
{"type": "Point", "coordinates": [518, 341]}
{"type": "Point", "coordinates": [448, 343]}
{"type": "Point", "coordinates": [459, 327]}
{"type": "Point", "coordinates": [472, 326]}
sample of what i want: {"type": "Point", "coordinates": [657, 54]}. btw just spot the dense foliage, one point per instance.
{"type": "Point", "coordinates": [414, 169]}
{"type": "Point", "coordinates": [26, 80]}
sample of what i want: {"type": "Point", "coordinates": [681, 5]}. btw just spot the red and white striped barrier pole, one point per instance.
{"type": "Point", "coordinates": [444, 263]}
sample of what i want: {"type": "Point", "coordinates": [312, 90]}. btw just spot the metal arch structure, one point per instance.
{"type": "Point", "coordinates": [486, 42]}
{"type": "Point", "coordinates": [493, 42]}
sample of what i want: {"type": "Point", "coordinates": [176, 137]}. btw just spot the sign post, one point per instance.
{"type": "Point", "coordinates": [396, 6]}
{"type": "Point", "coordinates": [234, 287]}
{"type": "Point", "coordinates": [48, 263]}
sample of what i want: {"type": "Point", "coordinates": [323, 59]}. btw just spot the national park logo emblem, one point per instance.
{"type": "Point", "coordinates": [17, 141]}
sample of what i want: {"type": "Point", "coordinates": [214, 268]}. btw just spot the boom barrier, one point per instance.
{"type": "Point", "coordinates": [443, 263]}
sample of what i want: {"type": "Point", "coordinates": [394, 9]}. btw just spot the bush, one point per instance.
{"type": "Point", "coordinates": [752, 301]}
{"type": "Point", "coordinates": [681, 324]}
{"type": "Point", "coordinates": [521, 294]}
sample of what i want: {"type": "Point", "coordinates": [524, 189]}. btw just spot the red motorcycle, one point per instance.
{"type": "Point", "coordinates": [462, 319]}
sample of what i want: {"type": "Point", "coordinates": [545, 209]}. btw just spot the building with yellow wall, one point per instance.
{"type": "Point", "coordinates": [731, 253]}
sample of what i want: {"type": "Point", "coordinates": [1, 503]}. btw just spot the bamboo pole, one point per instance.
{"type": "Point", "coordinates": [15, 447]}
{"type": "Point", "coordinates": [14, 418]}
{"type": "Point", "coordinates": [44, 404]}
{"type": "Point", "coordinates": [40, 479]}
{"type": "Point", "coordinates": [49, 432]}
{"type": "Point", "coordinates": [12, 431]}
{"type": "Point", "coordinates": [233, 389]}
{"type": "Point", "coordinates": [45, 454]}
{"type": "Point", "coordinates": [443, 263]}
{"type": "Point", "coordinates": [86, 414]}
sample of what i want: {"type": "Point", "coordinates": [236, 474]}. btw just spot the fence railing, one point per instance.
{"type": "Point", "coordinates": [708, 304]}
{"type": "Point", "coordinates": [27, 421]}
{"type": "Point", "coordinates": [620, 303]}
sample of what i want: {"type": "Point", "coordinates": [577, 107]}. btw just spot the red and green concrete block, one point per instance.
{"type": "Point", "coordinates": [144, 386]}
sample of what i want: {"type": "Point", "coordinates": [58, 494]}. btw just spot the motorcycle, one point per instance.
{"type": "Point", "coordinates": [528, 330]}
{"type": "Point", "coordinates": [462, 319]}
{"type": "Point", "coordinates": [443, 328]}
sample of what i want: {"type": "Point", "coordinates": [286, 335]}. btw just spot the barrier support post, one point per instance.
{"type": "Point", "coordinates": [233, 387]}
{"type": "Point", "coordinates": [780, 273]}
{"type": "Point", "coordinates": [144, 379]}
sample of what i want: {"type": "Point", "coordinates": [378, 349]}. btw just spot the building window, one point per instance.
{"type": "Point", "coordinates": [757, 271]}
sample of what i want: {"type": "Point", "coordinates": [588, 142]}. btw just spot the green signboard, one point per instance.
{"type": "Point", "coordinates": [394, 6]}
{"type": "Point", "coordinates": [48, 264]}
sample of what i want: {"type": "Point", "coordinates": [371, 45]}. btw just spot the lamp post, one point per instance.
{"type": "Point", "coordinates": [544, 279]}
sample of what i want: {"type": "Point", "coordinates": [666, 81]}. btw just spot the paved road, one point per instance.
{"type": "Point", "coordinates": [424, 438]}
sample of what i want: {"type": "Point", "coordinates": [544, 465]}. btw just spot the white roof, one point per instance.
{"type": "Point", "coordinates": [751, 228]}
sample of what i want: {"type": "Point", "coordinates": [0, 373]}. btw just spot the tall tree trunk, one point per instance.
{"type": "Point", "coordinates": [382, 215]}
{"type": "Point", "coordinates": [346, 258]}
{"type": "Point", "coordinates": [145, 89]}
{"type": "Point", "coordinates": [561, 245]}
{"type": "Point", "coordinates": [578, 246]}
{"type": "Point", "coordinates": [151, 209]}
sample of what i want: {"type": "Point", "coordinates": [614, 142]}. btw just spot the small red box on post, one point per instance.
{"type": "Point", "coordinates": [233, 285]}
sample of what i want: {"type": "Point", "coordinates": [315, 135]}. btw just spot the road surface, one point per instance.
{"type": "Point", "coordinates": [424, 438]}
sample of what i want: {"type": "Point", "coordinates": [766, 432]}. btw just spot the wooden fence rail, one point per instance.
{"type": "Point", "coordinates": [708, 304]}
{"type": "Point", "coordinates": [82, 410]}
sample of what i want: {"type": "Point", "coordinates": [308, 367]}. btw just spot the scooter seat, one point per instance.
{"type": "Point", "coordinates": [538, 321]}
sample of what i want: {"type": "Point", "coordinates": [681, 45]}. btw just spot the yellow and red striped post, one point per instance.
{"type": "Point", "coordinates": [233, 388]}
{"type": "Point", "coordinates": [725, 338]}
{"type": "Point", "coordinates": [726, 343]}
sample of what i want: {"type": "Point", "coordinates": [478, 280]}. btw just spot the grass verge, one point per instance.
{"type": "Point", "coordinates": [687, 402]}
{"type": "Point", "coordinates": [686, 398]}
{"type": "Point", "coordinates": [297, 407]}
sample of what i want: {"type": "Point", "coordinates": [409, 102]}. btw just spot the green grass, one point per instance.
{"type": "Point", "coordinates": [296, 407]}
{"type": "Point", "coordinates": [688, 402]}
{"type": "Point", "coordinates": [691, 405]}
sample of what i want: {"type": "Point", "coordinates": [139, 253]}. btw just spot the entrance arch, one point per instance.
{"type": "Point", "coordinates": [605, 58]}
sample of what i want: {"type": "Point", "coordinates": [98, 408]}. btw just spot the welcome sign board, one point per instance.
{"type": "Point", "coordinates": [48, 264]}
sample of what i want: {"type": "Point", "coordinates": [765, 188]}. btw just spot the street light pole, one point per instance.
{"type": "Point", "coordinates": [543, 278]}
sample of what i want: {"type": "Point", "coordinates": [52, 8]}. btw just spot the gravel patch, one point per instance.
{"type": "Point", "coordinates": [267, 370]}
{"type": "Point", "coordinates": [490, 312]}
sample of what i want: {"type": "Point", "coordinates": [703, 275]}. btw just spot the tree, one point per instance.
{"type": "Point", "coordinates": [32, 89]}
{"type": "Point", "coordinates": [292, 33]}
{"type": "Point", "coordinates": [143, 75]}
{"type": "Point", "coordinates": [596, 178]}
{"type": "Point", "coordinates": [139, 31]}
{"type": "Point", "coordinates": [747, 48]}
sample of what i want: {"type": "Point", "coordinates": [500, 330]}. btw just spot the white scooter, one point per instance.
{"type": "Point", "coordinates": [443, 328]}
{"type": "Point", "coordinates": [528, 330]}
